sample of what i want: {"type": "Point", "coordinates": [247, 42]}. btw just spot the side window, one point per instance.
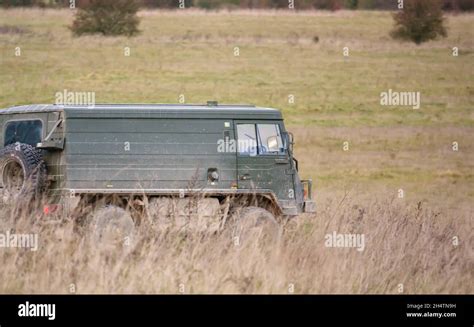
{"type": "Point", "coordinates": [269, 139]}
{"type": "Point", "coordinates": [25, 131]}
{"type": "Point", "coordinates": [247, 139]}
{"type": "Point", "coordinates": [263, 139]}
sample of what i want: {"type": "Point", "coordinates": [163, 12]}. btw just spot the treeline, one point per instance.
{"type": "Point", "coordinates": [455, 5]}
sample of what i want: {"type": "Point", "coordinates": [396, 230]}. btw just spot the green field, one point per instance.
{"type": "Point", "coordinates": [336, 98]}
{"type": "Point", "coordinates": [281, 54]}
{"type": "Point", "coordinates": [193, 54]}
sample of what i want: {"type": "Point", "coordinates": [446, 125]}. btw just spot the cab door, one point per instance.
{"type": "Point", "coordinates": [263, 161]}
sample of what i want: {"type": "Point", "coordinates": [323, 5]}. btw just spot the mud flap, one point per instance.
{"type": "Point", "coordinates": [310, 206]}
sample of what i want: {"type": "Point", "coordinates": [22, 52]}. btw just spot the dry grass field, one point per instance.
{"type": "Point", "coordinates": [421, 243]}
{"type": "Point", "coordinates": [408, 249]}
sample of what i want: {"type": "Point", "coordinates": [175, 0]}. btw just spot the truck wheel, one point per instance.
{"type": "Point", "coordinates": [112, 225]}
{"type": "Point", "coordinates": [254, 224]}
{"type": "Point", "coordinates": [22, 172]}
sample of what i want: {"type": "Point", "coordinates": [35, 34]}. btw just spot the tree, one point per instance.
{"type": "Point", "coordinates": [107, 17]}
{"type": "Point", "coordinates": [419, 21]}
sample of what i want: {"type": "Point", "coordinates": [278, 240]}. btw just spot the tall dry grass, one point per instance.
{"type": "Point", "coordinates": [408, 248]}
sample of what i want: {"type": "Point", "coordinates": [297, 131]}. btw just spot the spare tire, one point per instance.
{"type": "Point", "coordinates": [22, 172]}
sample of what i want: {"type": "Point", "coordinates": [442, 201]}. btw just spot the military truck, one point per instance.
{"type": "Point", "coordinates": [150, 158]}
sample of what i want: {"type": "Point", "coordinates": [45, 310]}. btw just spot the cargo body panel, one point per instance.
{"type": "Point", "coordinates": [146, 153]}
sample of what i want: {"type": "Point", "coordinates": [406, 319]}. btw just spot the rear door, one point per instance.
{"type": "Point", "coordinates": [262, 158]}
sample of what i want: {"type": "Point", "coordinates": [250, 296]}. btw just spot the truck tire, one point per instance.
{"type": "Point", "coordinates": [112, 225]}
{"type": "Point", "coordinates": [22, 172]}
{"type": "Point", "coordinates": [254, 224]}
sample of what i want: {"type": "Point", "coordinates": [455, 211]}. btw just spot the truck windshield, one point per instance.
{"type": "Point", "coordinates": [262, 139]}
{"type": "Point", "coordinates": [247, 139]}
{"type": "Point", "coordinates": [269, 139]}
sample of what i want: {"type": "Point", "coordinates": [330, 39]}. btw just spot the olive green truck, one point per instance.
{"type": "Point", "coordinates": [139, 152]}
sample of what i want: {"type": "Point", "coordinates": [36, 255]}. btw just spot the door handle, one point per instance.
{"type": "Point", "coordinates": [282, 161]}
{"type": "Point", "coordinates": [245, 177]}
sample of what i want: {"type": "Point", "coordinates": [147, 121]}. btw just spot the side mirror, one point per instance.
{"type": "Point", "coordinates": [288, 138]}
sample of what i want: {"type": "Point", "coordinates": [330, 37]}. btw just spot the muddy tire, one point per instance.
{"type": "Point", "coordinates": [23, 173]}
{"type": "Point", "coordinates": [112, 226]}
{"type": "Point", "coordinates": [254, 224]}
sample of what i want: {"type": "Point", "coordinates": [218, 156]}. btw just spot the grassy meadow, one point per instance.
{"type": "Point", "coordinates": [281, 55]}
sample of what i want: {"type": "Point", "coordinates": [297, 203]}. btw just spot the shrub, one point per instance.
{"type": "Point", "coordinates": [366, 4]}
{"type": "Point", "coordinates": [351, 4]}
{"type": "Point", "coordinates": [456, 5]}
{"type": "Point", "coordinates": [107, 17]}
{"type": "Point", "coordinates": [327, 4]}
{"type": "Point", "coordinates": [419, 21]}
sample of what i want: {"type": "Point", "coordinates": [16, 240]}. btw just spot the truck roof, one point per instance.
{"type": "Point", "coordinates": [151, 111]}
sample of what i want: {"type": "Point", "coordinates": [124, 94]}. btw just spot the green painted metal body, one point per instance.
{"type": "Point", "coordinates": [157, 150]}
